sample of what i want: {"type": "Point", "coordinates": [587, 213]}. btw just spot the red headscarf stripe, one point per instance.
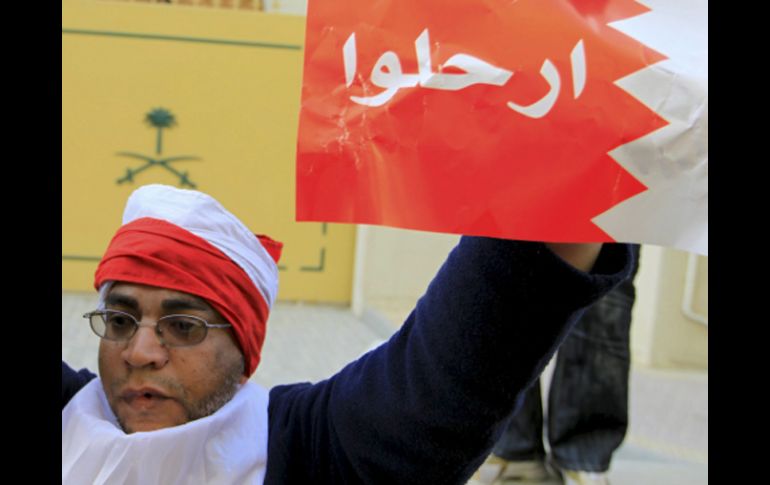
{"type": "Point", "coordinates": [205, 217]}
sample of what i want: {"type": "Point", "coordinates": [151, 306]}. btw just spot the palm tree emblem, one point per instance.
{"type": "Point", "coordinates": [160, 119]}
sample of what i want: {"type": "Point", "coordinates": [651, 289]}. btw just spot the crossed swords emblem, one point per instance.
{"type": "Point", "coordinates": [160, 119]}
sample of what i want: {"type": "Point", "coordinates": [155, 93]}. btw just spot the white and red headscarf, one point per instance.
{"type": "Point", "coordinates": [184, 240]}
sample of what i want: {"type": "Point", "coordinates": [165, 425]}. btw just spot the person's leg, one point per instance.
{"type": "Point", "coordinates": [588, 398]}
{"type": "Point", "coordinates": [523, 436]}
{"type": "Point", "coordinates": [519, 455]}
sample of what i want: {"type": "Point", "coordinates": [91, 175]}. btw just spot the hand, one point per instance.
{"type": "Point", "coordinates": [580, 255]}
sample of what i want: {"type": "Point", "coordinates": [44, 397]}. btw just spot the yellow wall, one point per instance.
{"type": "Point", "coordinates": [232, 81]}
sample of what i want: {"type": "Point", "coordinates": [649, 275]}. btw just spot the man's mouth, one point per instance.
{"type": "Point", "coordinates": [142, 397]}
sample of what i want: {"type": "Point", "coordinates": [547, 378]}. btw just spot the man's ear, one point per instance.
{"type": "Point", "coordinates": [244, 378]}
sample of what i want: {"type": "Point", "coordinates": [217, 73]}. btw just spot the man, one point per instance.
{"type": "Point", "coordinates": [185, 292]}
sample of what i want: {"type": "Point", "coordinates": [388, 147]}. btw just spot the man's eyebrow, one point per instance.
{"type": "Point", "coordinates": [116, 299]}
{"type": "Point", "coordinates": [181, 304]}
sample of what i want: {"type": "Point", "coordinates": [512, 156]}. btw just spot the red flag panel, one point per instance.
{"type": "Point", "coordinates": [488, 118]}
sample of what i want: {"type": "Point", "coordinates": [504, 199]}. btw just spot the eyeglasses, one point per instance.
{"type": "Point", "coordinates": [173, 330]}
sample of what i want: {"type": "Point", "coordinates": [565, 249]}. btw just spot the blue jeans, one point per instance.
{"type": "Point", "coordinates": [588, 396]}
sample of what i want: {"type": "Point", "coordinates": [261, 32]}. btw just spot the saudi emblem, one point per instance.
{"type": "Point", "coordinates": [160, 119]}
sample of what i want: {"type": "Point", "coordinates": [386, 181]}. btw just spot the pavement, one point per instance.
{"type": "Point", "coordinates": [667, 440]}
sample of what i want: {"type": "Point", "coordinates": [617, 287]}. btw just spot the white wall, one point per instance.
{"type": "Point", "coordinates": [662, 333]}
{"type": "Point", "coordinates": [394, 267]}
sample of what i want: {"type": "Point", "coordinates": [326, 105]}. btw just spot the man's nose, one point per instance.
{"type": "Point", "coordinates": [145, 349]}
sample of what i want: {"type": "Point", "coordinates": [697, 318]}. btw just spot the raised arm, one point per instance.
{"type": "Point", "coordinates": [428, 405]}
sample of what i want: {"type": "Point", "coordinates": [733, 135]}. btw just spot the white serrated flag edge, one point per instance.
{"type": "Point", "coordinates": [671, 161]}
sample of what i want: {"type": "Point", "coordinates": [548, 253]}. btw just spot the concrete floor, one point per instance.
{"type": "Point", "coordinates": [667, 440]}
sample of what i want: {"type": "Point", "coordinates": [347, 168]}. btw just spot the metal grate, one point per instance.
{"type": "Point", "coordinates": [254, 5]}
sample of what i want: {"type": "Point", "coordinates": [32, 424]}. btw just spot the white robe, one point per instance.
{"type": "Point", "coordinates": [229, 447]}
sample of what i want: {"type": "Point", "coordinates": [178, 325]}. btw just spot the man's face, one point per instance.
{"type": "Point", "coordinates": [150, 386]}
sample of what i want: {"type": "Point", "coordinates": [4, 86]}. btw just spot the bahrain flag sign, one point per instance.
{"type": "Point", "coordinates": [550, 120]}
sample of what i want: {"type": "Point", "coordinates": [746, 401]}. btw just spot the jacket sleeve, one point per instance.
{"type": "Point", "coordinates": [72, 381]}
{"type": "Point", "coordinates": [428, 405]}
